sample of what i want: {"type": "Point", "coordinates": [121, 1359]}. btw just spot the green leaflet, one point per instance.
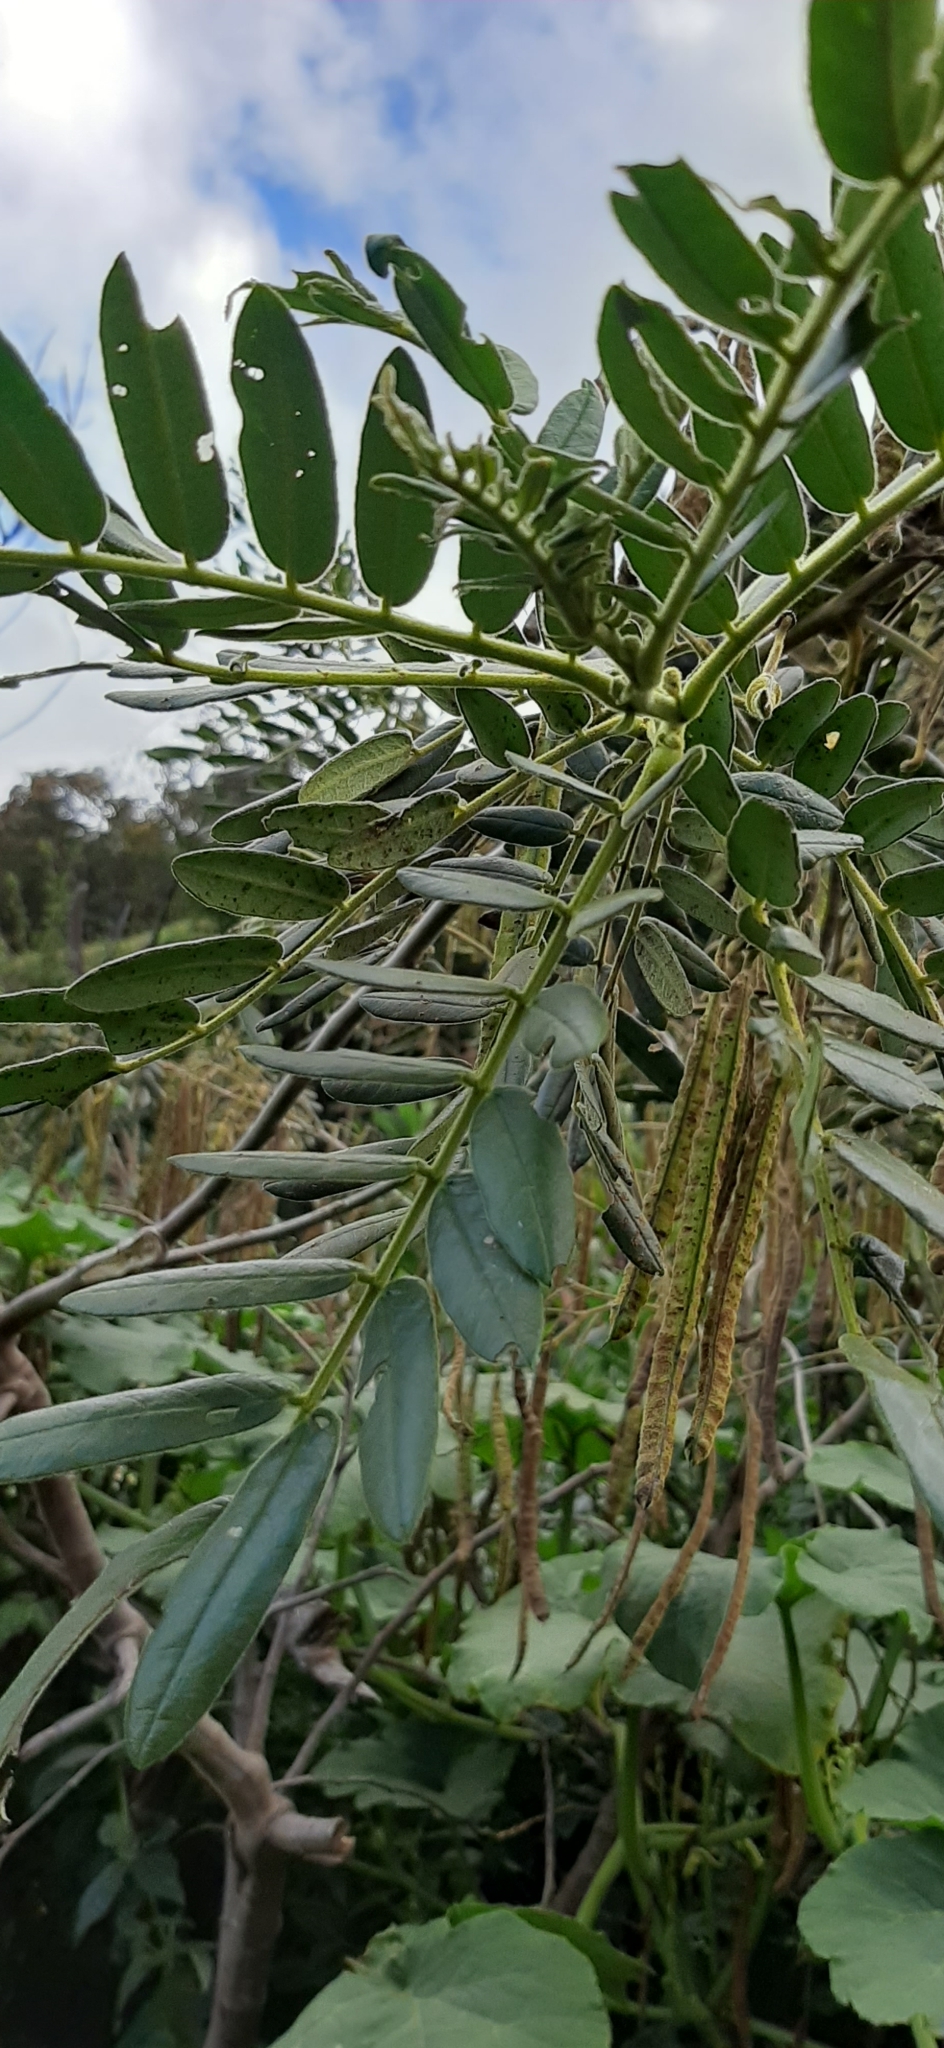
{"type": "Point", "coordinates": [285, 447]}
{"type": "Point", "coordinates": [479, 1985]}
{"type": "Point", "coordinates": [362, 835]}
{"type": "Point", "coordinates": [875, 1008]}
{"type": "Point", "coordinates": [713, 791]}
{"type": "Point", "coordinates": [893, 811]}
{"type": "Point", "coordinates": [394, 534]}
{"type": "Point", "coordinates": [525, 825]}
{"type": "Point", "coordinates": [134, 1424]}
{"type": "Point", "coordinates": [398, 1438]}
{"type": "Point", "coordinates": [387, 1077]}
{"type": "Point", "coordinates": [906, 371]}
{"type": "Point", "coordinates": [877, 1075]}
{"type": "Point", "coordinates": [637, 398]}
{"type": "Point", "coordinates": [763, 855]}
{"type": "Point", "coordinates": [239, 1283]}
{"type": "Point", "coordinates": [567, 1022]}
{"type": "Point", "coordinates": [872, 93]}
{"type": "Point", "coordinates": [804, 808]}
{"type": "Point", "coordinates": [439, 316]}
{"type": "Point", "coordinates": [714, 727]}
{"type": "Point", "coordinates": [131, 1031]}
{"type": "Point", "coordinates": [43, 471]}
{"type": "Point", "coordinates": [918, 891]}
{"type": "Point", "coordinates": [524, 1182]}
{"type": "Point", "coordinates": [58, 1078]}
{"type": "Point", "coordinates": [691, 242]}
{"type": "Point", "coordinates": [894, 1176]}
{"type": "Point", "coordinates": [196, 967]}
{"type": "Point", "coordinates": [908, 1784]}
{"type": "Point", "coordinates": [695, 898]}
{"type": "Point", "coordinates": [783, 536]}
{"type": "Point", "coordinates": [410, 980]}
{"type": "Point", "coordinates": [793, 722]}
{"type": "Point", "coordinates": [358, 770]}
{"type": "Point", "coordinates": [698, 372]}
{"type": "Point", "coordinates": [121, 1576]}
{"type": "Point", "coordinates": [163, 420]}
{"type": "Point", "coordinates": [246, 884]}
{"type": "Point", "coordinates": [444, 883]}
{"type": "Point", "coordinates": [785, 942]}
{"type": "Point", "coordinates": [832, 753]}
{"type": "Point", "coordinates": [650, 1054]}
{"type": "Point", "coordinates": [39, 1006]}
{"type": "Point", "coordinates": [876, 1914]}
{"type": "Point", "coordinates": [495, 583]}
{"type": "Point", "coordinates": [495, 725]}
{"type": "Point", "coordinates": [357, 1166]}
{"type": "Point", "coordinates": [698, 966]}
{"type": "Point", "coordinates": [661, 970]}
{"type": "Point", "coordinates": [216, 1605]}
{"type": "Point", "coordinates": [657, 568]}
{"type": "Point", "coordinates": [495, 1307]}
{"type": "Point", "coordinates": [574, 425]}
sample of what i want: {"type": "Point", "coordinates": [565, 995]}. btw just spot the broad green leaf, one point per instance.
{"type": "Point", "coordinates": [496, 1308]}
{"type": "Point", "coordinates": [661, 970]}
{"type": "Point", "coordinates": [714, 727]}
{"type": "Point", "coordinates": [495, 725]}
{"type": "Point", "coordinates": [237, 1283]}
{"type": "Point", "coordinates": [795, 720]}
{"type": "Point", "coordinates": [892, 719]}
{"type": "Point", "coordinates": [612, 1968]}
{"type": "Point", "coordinates": [445, 883]}
{"type": "Point", "coordinates": [492, 1982]}
{"type": "Point", "coordinates": [131, 1031]}
{"type": "Point", "coordinates": [163, 420]}
{"type": "Point", "coordinates": [776, 545]}
{"type": "Point", "coordinates": [567, 1022]}
{"type": "Point", "coordinates": [913, 1416]}
{"type": "Point", "coordinates": [358, 770]}
{"type": "Point", "coordinates": [804, 808]}
{"type": "Point", "coordinates": [217, 1603]}
{"type": "Point", "coordinates": [495, 583]}
{"type": "Point", "coordinates": [133, 1424]}
{"type": "Point", "coordinates": [882, 1078]}
{"type": "Point", "coordinates": [878, 1914]}
{"type": "Point", "coordinates": [483, 1662]}
{"type": "Point", "coordinates": [285, 446]}
{"type": "Point", "coordinates": [694, 898]}
{"type": "Point", "coordinates": [525, 825]}
{"type": "Point", "coordinates": [918, 891]}
{"type": "Point", "coordinates": [245, 884]}
{"type": "Point", "coordinates": [409, 1766]}
{"type": "Point", "coordinates": [564, 711]}
{"type": "Point", "coordinates": [439, 316]}
{"type": "Point", "coordinates": [120, 1577]}
{"type": "Point", "coordinates": [574, 425]}
{"type": "Point", "coordinates": [906, 1786]}
{"type": "Point", "coordinates": [58, 1078]}
{"type": "Point", "coordinates": [398, 1438]}
{"type": "Point", "coordinates": [882, 1011]}
{"type": "Point", "coordinates": [862, 1468]}
{"type": "Point", "coordinates": [870, 82]}
{"type": "Point", "coordinates": [364, 836]}
{"type": "Point", "coordinates": [905, 371]}
{"type": "Point", "coordinates": [894, 1176]}
{"type": "Point", "coordinates": [43, 471]}
{"type": "Point", "coordinates": [832, 753]}
{"type": "Point", "coordinates": [195, 967]}
{"type": "Point", "coordinates": [785, 942]}
{"type": "Point", "coordinates": [692, 243]}
{"type": "Point", "coordinates": [632, 390]}
{"type": "Point", "coordinates": [524, 1182]}
{"type": "Point", "coordinates": [386, 1077]}
{"type": "Point", "coordinates": [868, 1572]}
{"type": "Point", "coordinates": [763, 855]}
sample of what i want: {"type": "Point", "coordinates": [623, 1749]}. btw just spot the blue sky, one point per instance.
{"type": "Point", "coordinates": [221, 139]}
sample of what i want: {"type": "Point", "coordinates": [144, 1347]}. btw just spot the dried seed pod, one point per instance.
{"type": "Point", "coordinates": [596, 1110]}
{"type": "Point", "coordinates": [699, 1204]}
{"type": "Point", "coordinates": [671, 1166]}
{"type": "Point", "coordinates": [505, 1477]}
{"type": "Point", "coordinates": [733, 1257]}
{"type": "Point", "coordinates": [622, 1461]}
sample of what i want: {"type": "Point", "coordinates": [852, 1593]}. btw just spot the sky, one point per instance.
{"type": "Point", "coordinates": [220, 140]}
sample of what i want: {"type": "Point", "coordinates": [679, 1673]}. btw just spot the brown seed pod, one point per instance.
{"type": "Point", "coordinates": [698, 1208]}
{"type": "Point", "coordinates": [732, 1259]}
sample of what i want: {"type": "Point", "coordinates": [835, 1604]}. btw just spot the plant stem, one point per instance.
{"type": "Point", "coordinates": [613, 1862]}
{"type": "Point", "coordinates": [822, 1818]}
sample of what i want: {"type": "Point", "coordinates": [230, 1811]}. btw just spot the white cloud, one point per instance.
{"type": "Point", "coordinates": [219, 139]}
